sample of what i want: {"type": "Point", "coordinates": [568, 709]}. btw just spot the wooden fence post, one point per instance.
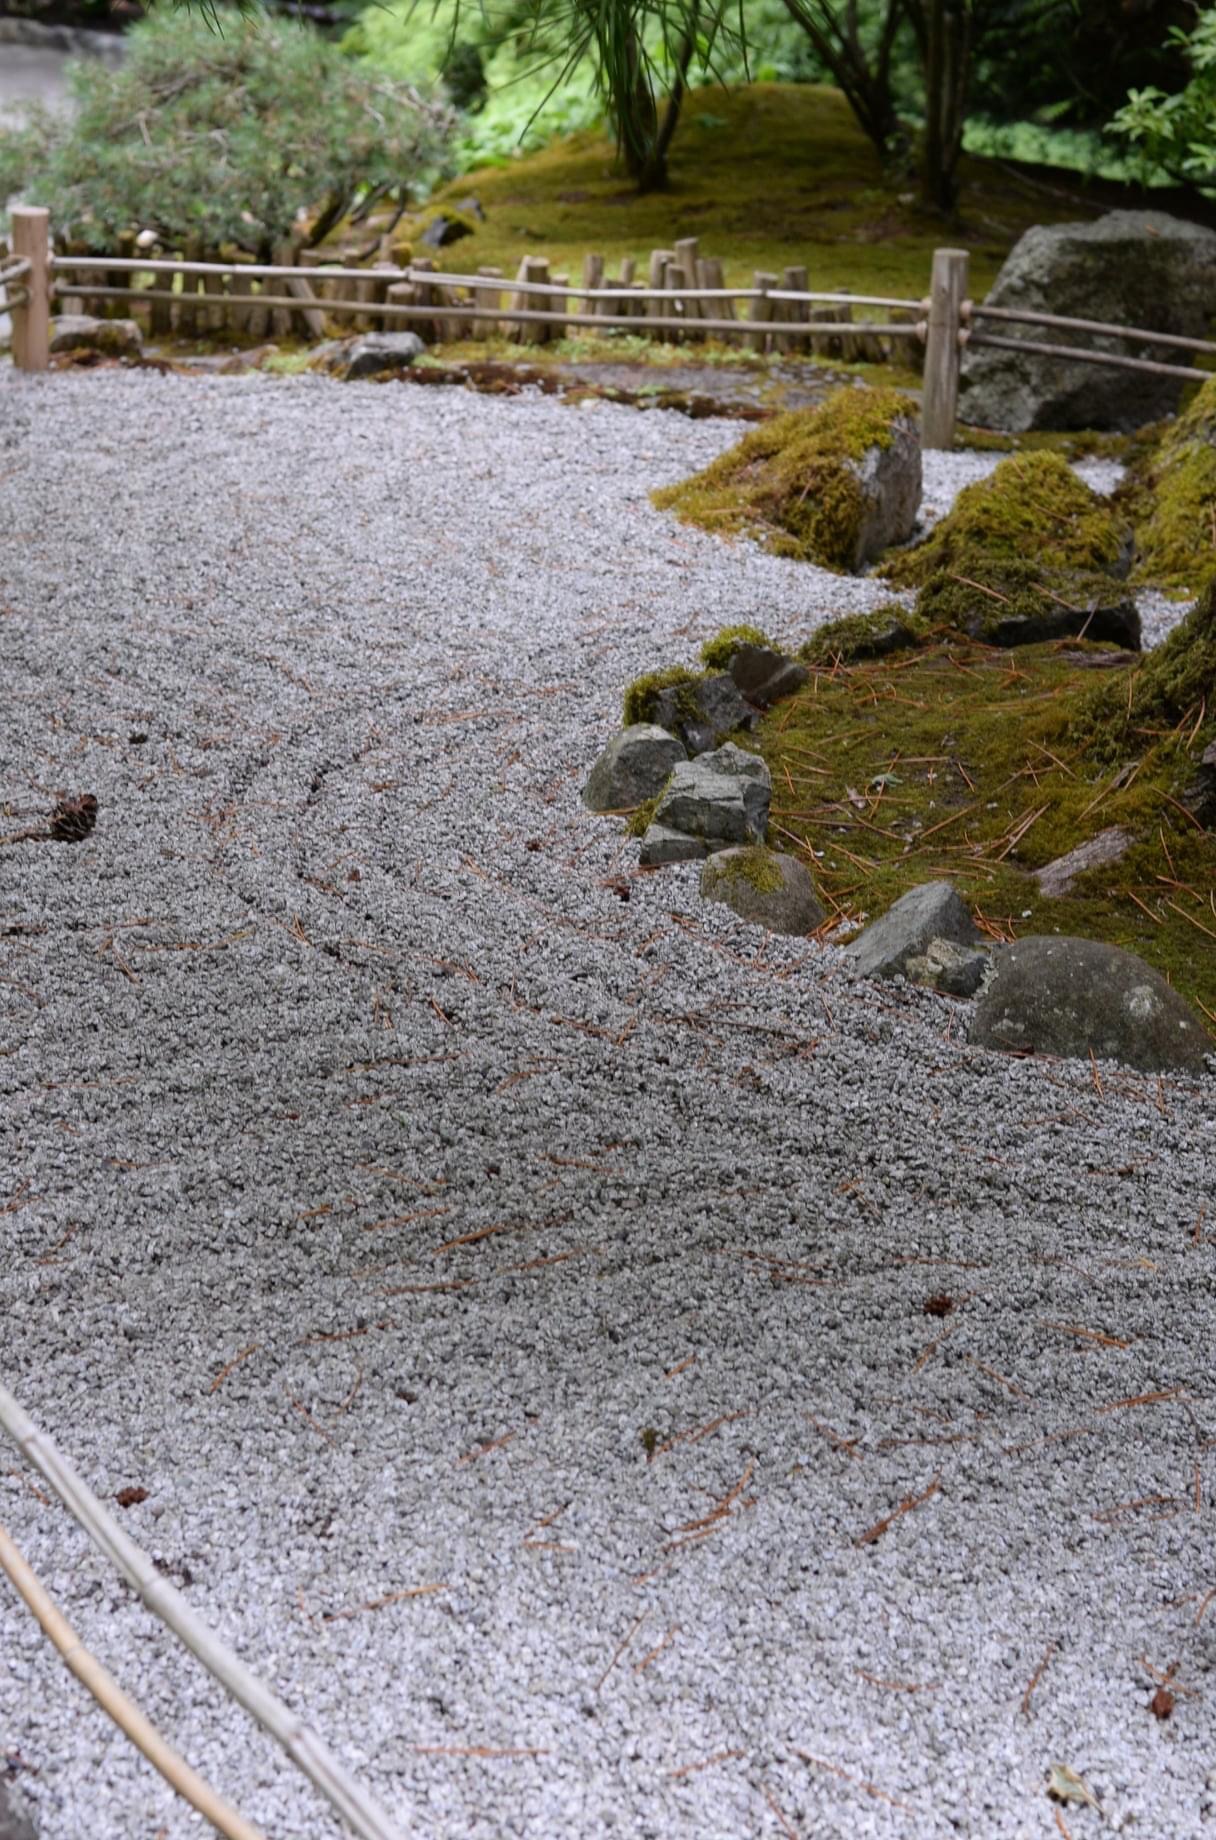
{"type": "Point", "coordinates": [32, 319]}
{"type": "Point", "coordinates": [762, 311]}
{"type": "Point", "coordinates": [947, 292]}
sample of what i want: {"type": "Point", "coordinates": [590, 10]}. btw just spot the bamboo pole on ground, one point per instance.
{"type": "Point", "coordinates": [117, 1706]}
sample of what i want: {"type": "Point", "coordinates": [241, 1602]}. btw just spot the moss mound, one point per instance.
{"type": "Point", "coordinates": [994, 591]}
{"type": "Point", "coordinates": [641, 698]}
{"type": "Point", "coordinates": [1174, 494]}
{"type": "Point", "coordinates": [716, 653]}
{"type": "Point", "coordinates": [865, 635]}
{"type": "Point", "coordinates": [787, 482]}
{"type": "Point", "coordinates": [755, 865]}
{"type": "Point", "coordinates": [1171, 697]}
{"type": "Point", "coordinates": [1033, 504]}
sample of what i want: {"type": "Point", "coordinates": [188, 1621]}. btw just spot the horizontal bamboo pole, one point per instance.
{"type": "Point", "coordinates": [305, 1748]}
{"type": "Point", "coordinates": [440, 310]}
{"type": "Point", "coordinates": [116, 1704]}
{"type": "Point", "coordinates": [1174, 340]}
{"type": "Point", "coordinates": [1074, 352]}
{"type": "Point", "coordinates": [845, 300]}
{"type": "Point", "coordinates": [142, 265]}
{"type": "Point", "coordinates": [14, 271]}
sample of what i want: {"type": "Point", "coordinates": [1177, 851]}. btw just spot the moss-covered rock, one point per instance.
{"type": "Point", "coordinates": [1000, 601]}
{"type": "Point", "coordinates": [832, 485]}
{"type": "Point", "coordinates": [1031, 505]}
{"type": "Point", "coordinates": [1176, 508]}
{"type": "Point", "coordinates": [642, 695]}
{"type": "Point", "coordinates": [1173, 690]}
{"type": "Point", "coordinates": [765, 888]}
{"type": "Point", "coordinates": [716, 653]}
{"type": "Point", "coordinates": [865, 635]}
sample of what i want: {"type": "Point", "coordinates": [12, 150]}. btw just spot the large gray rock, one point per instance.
{"type": "Point", "coordinates": [1052, 994]}
{"type": "Point", "coordinates": [704, 712]}
{"type": "Point", "coordinates": [768, 889]}
{"type": "Point", "coordinates": [931, 912]}
{"type": "Point", "coordinates": [1131, 268]}
{"type": "Point", "coordinates": [764, 675]}
{"type": "Point", "coordinates": [633, 767]}
{"type": "Point", "coordinates": [113, 338]}
{"type": "Point", "coordinates": [372, 354]}
{"type": "Point", "coordinates": [715, 800]}
{"type": "Point", "coordinates": [891, 487]}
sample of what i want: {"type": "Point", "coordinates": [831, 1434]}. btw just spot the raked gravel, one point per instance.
{"type": "Point", "coordinates": [377, 1184]}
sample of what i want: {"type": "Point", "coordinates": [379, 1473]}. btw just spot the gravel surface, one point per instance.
{"type": "Point", "coordinates": [407, 1211]}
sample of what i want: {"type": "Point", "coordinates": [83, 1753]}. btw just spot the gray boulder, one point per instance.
{"type": "Point", "coordinates": [372, 354]}
{"type": "Point", "coordinates": [924, 915]}
{"type": "Point", "coordinates": [113, 338]}
{"type": "Point", "coordinates": [891, 487]}
{"type": "Point", "coordinates": [632, 768]}
{"type": "Point", "coordinates": [713, 801]}
{"type": "Point", "coordinates": [1131, 268]}
{"type": "Point", "coordinates": [955, 970]}
{"type": "Point", "coordinates": [1052, 994]}
{"type": "Point", "coordinates": [702, 713]}
{"type": "Point", "coordinates": [770, 890]}
{"type": "Point", "coordinates": [15, 1824]}
{"type": "Point", "coordinates": [764, 675]}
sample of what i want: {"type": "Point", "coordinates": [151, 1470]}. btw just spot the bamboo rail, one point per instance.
{"type": "Point", "coordinates": [116, 1704]}
{"type": "Point", "coordinates": [1077, 354]}
{"type": "Point", "coordinates": [1174, 340]}
{"type": "Point", "coordinates": [305, 1748]}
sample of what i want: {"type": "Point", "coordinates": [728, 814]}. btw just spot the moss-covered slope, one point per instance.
{"type": "Point", "coordinates": [1174, 497]}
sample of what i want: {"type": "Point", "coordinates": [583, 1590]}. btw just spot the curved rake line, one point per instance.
{"type": "Point", "coordinates": [307, 1750]}
{"type": "Point", "coordinates": [116, 1704]}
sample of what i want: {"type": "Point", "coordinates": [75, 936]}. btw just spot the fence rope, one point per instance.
{"type": "Point", "coordinates": [305, 1748]}
{"type": "Point", "coordinates": [116, 1704]}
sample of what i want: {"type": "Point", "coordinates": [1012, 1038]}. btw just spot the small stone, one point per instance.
{"type": "Point", "coordinates": [722, 797]}
{"type": "Point", "coordinates": [113, 338]}
{"type": "Point", "coordinates": [770, 890]}
{"type": "Point", "coordinates": [1054, 994]}
{"type": "Point", "coordinates": [929, 913]}
{"type": "Point", "coordinates": [953, 969]}
{"type": "Point", "coordinates": [661, 844]}
{"type": "Point", "coordinates": [1056, 878]}
{"type": "Point", "coordinates": [704, 712]}
{"type": "Point", "coordinates": [444, 230]}
{"type": "Point", "coordinates": [634, 767]}
{"type": "Point", "coordinates": [764, 675]}
{"type": "Point", "coordinates": [375, 353]}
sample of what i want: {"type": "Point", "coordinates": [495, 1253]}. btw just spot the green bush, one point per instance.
{"type": "Point", "coordinates": [1176, 134]}
{"type": "Point", "coordinates": [227, 132]}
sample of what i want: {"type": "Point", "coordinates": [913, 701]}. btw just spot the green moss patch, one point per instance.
{"type": "Point", "coordinates": [1173, 492]}
{"type": "Point", "coordinates": [1172, 692]}
{"type": "Point", "coordinates": [1032, 505]}
{"type": "Point", "coordinates": [785, 483]}
{"type": "Point", "coordinates": [963, 762]}
{"type": "Point", "coordinates": [716, 653]}
{"type": "Point", "coordinates": [641, 698]}
{"type": "Point", "coordinates": [754, 865]}
{"type": "Point", "coordinates": [865, 635]}
{"type": "Point", "coordinates": [989, 592]}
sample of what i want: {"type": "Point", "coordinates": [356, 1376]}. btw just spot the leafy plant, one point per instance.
{"type": "Point", "coordinates": [229, 135]}
{"type": "Point", "coordinates": [1176, 134]}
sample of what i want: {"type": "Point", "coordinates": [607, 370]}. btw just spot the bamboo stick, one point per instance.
{"type": "Point", "coordinates": [1174, 340]}
{"type": "Point", "coordinates": [117, 1706]}
{"type": "Point", "coordinates": [302, 1744]}
{"type": "Point", "coordinates": [1187, 373]}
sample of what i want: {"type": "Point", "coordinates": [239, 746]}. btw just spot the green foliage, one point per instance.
{"type": "Point", "coordinates": [789, 482]}
{"type": "Point", "coordinates": [1033, 504]}
{"type": "Point", "coordinates": [224, 132]}
{"type": "Point", "coordinates": [716, 653]}
{"type": "Point", "coordinates": [1175, 133]}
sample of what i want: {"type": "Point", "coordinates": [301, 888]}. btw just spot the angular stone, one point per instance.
{"type": "Point", "coordinates": [375, 353]}
{"type": "Point", "coordinates": [931, 912]}
{"type": "Point", "coordinates": [764, 675]}
{"type": "Point", "coordinates": [114, 338]}
{"type": "Point", "coordinates": [955, 970]}
{"type": "Point", "coordinates": [444, 230]}
{"type": "Point", "coordinates": [769, 889]}
{"type": "Point", "coordinates": [891, 485]}
{"type": "Point", "coordinates": [1200, 795]}
{"type": "Point", "coordinates": [633, 767]}
{"type": "Point", "coordinates": [1130, 268]}
{"type": "Point", "coordinates": [1056, 878]}
{"type": "Point", "coordinates": [722, 797]}
{"type": "Point", "coordinates": [1053, 994]}
{"type": "Point", "coordinates": [703, 712]}
{"type": "Point", "coordinates": [661, 844]}
{"type": "Point", "coordinates": [1110, 618]}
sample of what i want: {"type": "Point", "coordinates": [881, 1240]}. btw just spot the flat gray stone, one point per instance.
{"type": "Point", "coordinates": [722, 797]}
{"type": "Point", "coordinates": [925, 914]}
{"type": "Point", "coordinates": [661, 844]}
{"type": "Point", "coordinates": [736, 877]}
{"type": "Point", "coordinates": [953, 969]}
{"type": "Point", "coordinates": [891, 485]}
{"type": "Point", "coordinates": [1053, 994]}
{"type": "Point", "coordinates": [703, 713]}
{"type": "Point", "coordinates": [376, 353]}
{"type": "Point", "coordinates": [1056, 878]}
{"type": "Point", "coordinates": [764, 675]}
{"type": "Point", "coordinates": [634, 766]}
{"type": "Point", "coordinates": [114, 338]}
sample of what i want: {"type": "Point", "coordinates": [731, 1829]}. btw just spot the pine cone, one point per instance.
{"type": "Point", "coordinates": [73, 819]}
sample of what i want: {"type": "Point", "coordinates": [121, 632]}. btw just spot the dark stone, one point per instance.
{"type": "Point", "coordinates": [931, 912]}
{"type": "Point", "coordinates": [1113, 620]}
{"type": "Point", "coordinates": [471, 207]}
{"type": "Point", "coordinates": [736, 877]}
{"type": "Point", "coordinates": [633, 767]}
{"type": "Point", "coordinates": [444, 230]}
{"type": "Point", "coordinates": [1130, 268]}
{"type": "Point", "coordinates": [1200, 795]}
{"type": "Point", "coordinates": [955, 970]}
{"type": "Point", "coordinates": [764, 675]}
{"type": "Point", "coordinates": [704, 712]}
{"type": "Point", "coordinates": [375, 353]}
{"type": "Point", "coordinates": [709, 803]}
{"type": "Point", "coordinates": [113, 338]}
{"type": "Point", "coordinates": [890, 481]}
{"type": "Point", "coordinates": [1052, 994]}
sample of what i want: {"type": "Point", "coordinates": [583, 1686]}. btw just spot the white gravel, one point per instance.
{"type": "Point", "coordinates": [373, 1180]}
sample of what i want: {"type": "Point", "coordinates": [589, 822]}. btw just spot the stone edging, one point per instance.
{"type": "Point", "coordinates": [76, 39]}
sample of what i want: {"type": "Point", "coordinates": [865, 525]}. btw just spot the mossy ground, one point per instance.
{"type": "Point", "coordinates": [964, 762]}
{"type": "Point", "coordinates": [1171, 492]}
{"type": "Point", "coordinates": [787, 483]}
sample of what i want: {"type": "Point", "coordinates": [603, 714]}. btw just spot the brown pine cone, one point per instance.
{"type": "Point", "coordinates": [73, 819]}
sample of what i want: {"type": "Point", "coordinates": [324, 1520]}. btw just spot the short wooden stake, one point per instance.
{"type": "Point", "coordinates": [32, 319]}
{"type": "Point", "coordinates": [762, 311]}
{"type": "Point", "coordinates": [558, 302]}
{"type": "Point", "coordinates": [947, 292]}
{"type": "Point", "coordinates": [794, 312]}
{"type": "Point", "coordinates": [593, 279]}
{"type": "Point", "coordinates": [491, 298]}
{"type": "Point", "coordinates": [687, 256]}
{"type": "Point", "coordinates": [657, 281]}
{"type": "Point", "coordinates": [677, 307]}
